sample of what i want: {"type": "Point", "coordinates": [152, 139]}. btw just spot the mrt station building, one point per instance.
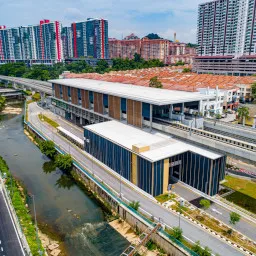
{"type": "Point", "coordinates": [150, 161]}
{"type": "Point", "coordinates": [91, 101]}
{"type": "Point", "coordinates": [145, 159]}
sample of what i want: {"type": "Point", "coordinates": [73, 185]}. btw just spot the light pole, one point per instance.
{"type": "Point", "coordinates": [121, 175]}
{"type": "Point", "coordinates": [37, 237]}
{"type": "Point", "coordinates": [190, 130]}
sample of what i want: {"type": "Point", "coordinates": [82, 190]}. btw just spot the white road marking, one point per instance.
{"type": "Point", "coordinates": [2, 249]}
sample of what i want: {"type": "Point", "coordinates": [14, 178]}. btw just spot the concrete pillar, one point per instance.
{"type": "Point", "coordinates": [81, 120]}
{"type": "Point", "coordinates": [182, 109]}
{"type": "Point", "coordinates": [42, 94]}
{"type": "Point", "coordinates": [170, 112]}
{"type": "Point", "coordinates": [200, 106]}
{"type": "Point", "coordinates": [151, 116]}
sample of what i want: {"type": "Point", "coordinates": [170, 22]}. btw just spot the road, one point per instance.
{"type": "Point", "coordinates": [9, 241]}
{"type": "Point", "coordinates": [190, 230]}
{"type": "Point", "coordinates": [217, 211]}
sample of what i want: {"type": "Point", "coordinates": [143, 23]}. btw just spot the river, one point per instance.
{"type": "Point", "coordinates": [60, 204]}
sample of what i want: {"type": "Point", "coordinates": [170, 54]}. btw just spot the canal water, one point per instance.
{"type": "Point", "coordinates": [60, 204]}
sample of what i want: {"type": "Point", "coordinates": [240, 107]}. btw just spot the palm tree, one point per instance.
{"type": "Point", "coordinates": [243, 113]}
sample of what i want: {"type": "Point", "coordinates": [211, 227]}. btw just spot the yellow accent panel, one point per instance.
{"type": "Point", "coordinates": [139, 148]}
{"type": "Point", "coordinates": [134, 169]}
{"type": "Point", "coordinates": [166, 175]}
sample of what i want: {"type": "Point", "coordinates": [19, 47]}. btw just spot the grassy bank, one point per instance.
{"type": "Point", "coordinates": [244, 186]}
{"type": "Point", "coordinates": [18, 198]}
{"type": "Point", "coordinates": [244, 195]}
{"type": "Point", "coordinates": [48, 120]}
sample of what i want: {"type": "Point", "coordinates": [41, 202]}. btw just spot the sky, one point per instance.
{"type": "Point", "coordinates": [141, 17]}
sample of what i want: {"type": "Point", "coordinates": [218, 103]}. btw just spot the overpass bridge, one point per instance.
{"type": "Point", "coordinates": [33, 85]}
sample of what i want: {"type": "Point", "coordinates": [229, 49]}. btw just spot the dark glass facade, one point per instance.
{"type": "Point", "coordinates": [193, 169]}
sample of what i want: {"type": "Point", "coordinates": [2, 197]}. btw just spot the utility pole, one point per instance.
{"type": "Point", "coordinates": [37, 237]}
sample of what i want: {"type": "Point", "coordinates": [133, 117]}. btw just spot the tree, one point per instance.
{"type": "Point", "coordinates": [102, 66]}
{"type": "Point", "coordinates": [206, 251]}
{"type": "Point", "coordinates": [201, 251]}
{"type": "Point", "coordinates": [197, 248]}
{"type": "Point", "coordinates": [177, 233]}
{"type": "Point", "coordinates": [64, 162]}
{"type": "Point", "coordinates": [137, 57]}
{"type": "Point", "coordinates": [205, 204]}
{"type": "Point", "coordinates": [243, 113]}
{"type": "Point", "coordinates": [234, 218]}
{"type": "Point", "coordinates": [154, 82]}
{"type": "Point", "coordinates": [2, 103]}
{"type": "Point", "coordinates": [153, 36]}
{"type": "Point", "coordinates": [48, 148]}
{"type": "Point", "coordinates": [179, 63]}
{"type": "Point", "coordinates": [135, 205]}
{"type": "Point", "coordinates": [186, 70]}
{"type": "Point", "coordinates": [254, 90]}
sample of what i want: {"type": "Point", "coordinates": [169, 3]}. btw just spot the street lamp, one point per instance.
{"type": "Point", "coordinates": [37, 237]}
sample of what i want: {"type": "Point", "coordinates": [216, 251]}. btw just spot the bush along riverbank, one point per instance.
{"type": "Point", "coordinates": [65, 163]}
{"type": "Point", "coordinates": [18, 197]}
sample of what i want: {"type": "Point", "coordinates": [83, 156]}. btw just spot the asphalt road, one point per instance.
{"type": "Point", "coordinates": [191, 231]}
{"type": "Point", "coordinates": [9, 242]}
{"type": "Point", "coordinates": [217, 211]}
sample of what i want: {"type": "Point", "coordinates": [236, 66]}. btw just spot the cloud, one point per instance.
{"type": "Point", "coordinates": [124, 16]}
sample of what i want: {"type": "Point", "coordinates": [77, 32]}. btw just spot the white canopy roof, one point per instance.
{"type": "Point", "coordinates": [161, 145]}
{"type": "Point", "coordinates": [134, 92]}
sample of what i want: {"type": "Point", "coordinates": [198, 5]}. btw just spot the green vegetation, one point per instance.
{"type": "Point", "coordinates": [179, 63]}
{"type": "Point", "coordinates": [135, 205]}
{"type": "Point", "coordinates": [36, 96]}
{"type": "Point", "coordinates": [177, 233]}
{"type": "Point", "coordinates": [153, 36]}
{"type": "Point", "coordinates": [254, 90]}
{"type": "Point", "coordinates": [205, 204]}
{"type": "Point", "coordinates": [243, 201]}
{"type": "Point", "coordinates": [48, 148]}
{"type": "Point", "coordinates": [192, 45]}
{"type": "Point", "coordinates": [19, 202]}
{"type": "Point", "coordinates": [200, 251]}
{"type": "Point", "coordinates": [154, 82]}
{"type": "Point", "coordinates": [165, 197]}
{"type": "Point", "coordinates": [244, 186]}
{"type": "Point", "coordinates": [64, 162]}
{"type": "Point", "coordinates": [234, 218]}
{"type": "Point", "coordinates": [243, 113]}
{"type": "Point", "coordinates": [186, 70]}
{"type": "Point", "coordinates": [2, 103]}
{"type": "Point", "coordinates": [28, 92]}
{"type": "Point", "coordinates": [45, 72]}
{"type": "Point", "coordinates": [48, 120]}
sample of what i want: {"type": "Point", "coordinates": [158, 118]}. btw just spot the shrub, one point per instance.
{"type": "Point", "coordinates": [48, 148]}
{"type": "Point", "coordinates": [64, 162]}
{"type": "Point", "coordinates": [177, 233]}
{"type": "Point", "coordinates": [135, 205]}
{"type": "Point", "coordinates": [205, 203]}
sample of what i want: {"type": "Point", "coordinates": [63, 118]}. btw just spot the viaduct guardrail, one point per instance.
{"type": "Point", "coordinates": [37, 85]}
{"type": "Point", "coordinates": [242, 149]}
